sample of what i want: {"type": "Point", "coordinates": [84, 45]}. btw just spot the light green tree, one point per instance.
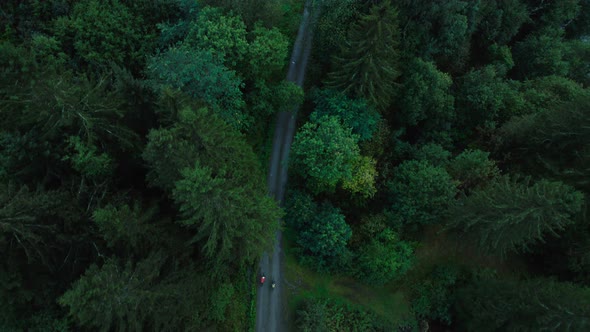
{"type": "Point", "coordinates": [324, 152]}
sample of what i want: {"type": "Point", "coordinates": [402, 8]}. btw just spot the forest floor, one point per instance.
{"type": "Point", "coordinates": [302, 282]}
{"type": "Point", "coordinates": [392, 300]}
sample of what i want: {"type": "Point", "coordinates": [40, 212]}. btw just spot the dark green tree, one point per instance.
{"type": "Point", "coordinates": [509, 216]}
{"type": "Point", "coordinates": [420, 193]}
{"type": "Point", "coordinates": [325, 237]}
{"type": "Point", "coordinates": [216, 180]}
{"type": "Point", "coordinates": [384, 258]}
{"type": "Point", "coordinates": [529, 305]}
{"type": "Point", "coordinates": [231, 222]}
{"type": "Point", "coordinates": [354, 113]}
{"type": "Point", "coordinates": [201, 76]}
{"type": "Point", "coordinates": [425, 96]}
{"type": "Point", "coordinates": [473, 169]}
{"type": "Point", "coordinates": [101, 32]}
{"type": "Point", "coordinates": [553, 143]}
{"type": "Point", "coordinates": [368, 66]}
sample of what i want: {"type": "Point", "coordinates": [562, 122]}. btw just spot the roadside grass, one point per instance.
{"type": "Point", "coordinates": [388, 302]}
{"type": "Point", "coordinates": [392, 301]}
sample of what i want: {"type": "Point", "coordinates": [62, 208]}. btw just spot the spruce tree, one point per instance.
{"type": "Point", "coordinates": [532, 305]}
{"type": "Point", "coordinates": [509, 216]}
{"type": "Point", "coordinates": [369, 61]}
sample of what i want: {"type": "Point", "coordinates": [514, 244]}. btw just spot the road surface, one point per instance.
{"type": "Point", "coordinates": [270, 314]}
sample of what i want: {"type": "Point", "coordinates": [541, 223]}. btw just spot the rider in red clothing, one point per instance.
{"type": "Point", "coordinates": [262, 279]}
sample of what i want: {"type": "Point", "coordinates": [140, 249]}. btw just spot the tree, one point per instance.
{"type": "Point", "coordinates": [528, 305]}
{"type": "Point", "coordinates": [363, 177]}
{"type": "Point", "coordinates": [541, 54]}
{"type": "Point", "coordinates": [510, 216]}
{"type": "Point", "coordinates": [126, 226]}
{"type": "Point", "coordinates": [548, 92]}
{"type": "Point", "coordinates": [354, 113]}
{"type": "Point", "coordinates": [473, 169]}
{"type": "Point", "coordinates": [267, 53]}
{"type": "Point", "coordinates": [485, 98]}
{"type": "Point", "coordinates": [433, 297]}
{"type": "Point", "coordinates": [368, 65]}
{"type": "Point", "coordinates": [323, 153]}
{"type": "Point", "coordinates": [233, 223]}
{"type": "Point", "coordinates": [553, 142]}
{"type": "Point", "coordinates": [384, 258]}
{"type": "Point", "coordinates": [433, 153]}
{"type": "Point", "coordinates": [325, 237]}
{"type": "Point", "coordinates": [198, 74]}
{"type": "Point", "coordinates": [99, 32]}
{"type": "Point", "coordinates": [500, 21]}
{"type": "Point", "coordinates": [127, 296]}
{"type": "Point", "coordinates": [216, 181]}
{"type": "Point", "coordinates": [420, 193]}
{"type": "Point", "coordinates": [437, 31]}
{"type": "Point", "coordinates": [224, 36]}
{"type": "Point", "coordinates": [425, 96]}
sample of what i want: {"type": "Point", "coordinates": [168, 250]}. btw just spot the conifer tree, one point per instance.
{"type": "Point", "coordinates": [368, 65]}
{"type": "Point", "coordinates": [509, 216]}
{"type": "Point", "coordinates": [532, 305]}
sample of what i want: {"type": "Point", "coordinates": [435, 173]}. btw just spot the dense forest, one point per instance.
{"type": "Point", "coordinates": [442, 153]}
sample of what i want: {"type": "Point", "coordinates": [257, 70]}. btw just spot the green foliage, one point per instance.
{"type": "Point", "coordinates": [420, 192]}
{"type": "Point", "coordinates": [363, 177]}
{"type": "Point", "coordinates": [100, 32]}
{"type": "Point", "coordinates": [484, 98]}
{"type": "Point", "coordinates": [384, 258]}
{"type": "Point", "coordinates": [125, 226]}
{"type": "Point", "coordinates": [553, 142]}
{"type": "Point", "coordinates": [433, 297]}
{"type": "Point", "coordinates": [268, 99]}
{"type": "Point", "coordinates": [425, 96]}
{"type": "Point", "coordinates": [546, 93]}
{"type": "Point", "coordinates": [368, 65]}
{"type": "Point", "coordinates": [224, 36]}
{"type": "Point", "coordinates": [438, 30]}
{"type": "Point", "coordinates": [201, 76]}
{"type": "Point", "coordinates": [235, 223]}
{"type": "Point", "coordinates": [500, 21]}
{"type": "Point", "coordinates": [530, 305]}
{"type": "Point", "coordinates": [433, 153]}
{"type": "Point", "coordinates": [215, 179]}
{"type": "Point", "coordinates": [220, 301]}
{"type": "Point", "coordinates": [88, 161]}
{"type": "Point", "coordinates": [331, 30]}
{"type": "Point", "coordinates": [270, 12]}
{"type": "Point", "coordinates": [323, 153]}
{"type": "Point", "coordinates": [473, 169]}
{"type": "Point", "coordinates": [509, 216]}
{"type": "Point", "coordinates": [325, 237]}
{"type": "Point", "coordinates": [326, 315]}
{"type": "Point", "coordinates": [354, 113]}
{"type": "Point", "coordinates": [135, 297]}
{"type": "Point", "coordinates": [267, 53]}
{"type": "Point", "coordinates": [541, 54]}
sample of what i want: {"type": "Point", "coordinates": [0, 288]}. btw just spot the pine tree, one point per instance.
{"type": "Point", "coordinates": [532, 305]}
{"type": "Point", "coordinates": [368, 65]}
{"type": "Point", "coordinates": [509, 216]}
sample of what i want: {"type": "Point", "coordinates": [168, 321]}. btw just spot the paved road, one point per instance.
{"type": "Point", "coordinates": [270, 314]}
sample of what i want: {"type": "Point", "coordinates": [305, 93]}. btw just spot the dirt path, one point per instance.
{"type": "Point", "coordinates": [270, 306]}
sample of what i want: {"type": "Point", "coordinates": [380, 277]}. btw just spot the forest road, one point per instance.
{"type": "Point", "coordinates": [270, 307]}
